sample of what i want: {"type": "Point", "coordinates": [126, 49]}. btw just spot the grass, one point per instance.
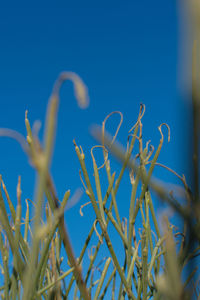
{"type": "Point", "coordinates": [154, 258]}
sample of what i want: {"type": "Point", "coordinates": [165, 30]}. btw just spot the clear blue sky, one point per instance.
{"type": "Point", "coordinates": [127, 52]}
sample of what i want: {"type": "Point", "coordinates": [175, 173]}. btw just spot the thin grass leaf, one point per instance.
{"type": "Point", "coordinates": [108, 284]}
{"type": "Point", "coordinates": [101, 281]}
{"type": "Point", "coordinates": [98, 187]}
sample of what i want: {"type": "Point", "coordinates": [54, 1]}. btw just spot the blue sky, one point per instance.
{"type": "Point", "coordinates": [127, 52]}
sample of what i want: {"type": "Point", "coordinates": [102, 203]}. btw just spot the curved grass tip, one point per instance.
{"type": "Point", "coordinates": [80, 89]}
{"type": "Point", "coordinates": [81, 93]}
{"type": "Point", "coordinates": [13, 134]}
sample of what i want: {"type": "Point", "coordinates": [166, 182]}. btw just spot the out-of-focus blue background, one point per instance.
{"type": "Point", "coordinates": [127, 52]}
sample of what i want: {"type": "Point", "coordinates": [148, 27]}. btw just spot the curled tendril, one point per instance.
{"type": "Point", "coordinates": [83, 205]}
{"type": "Point", "coordinates": [95, 229]}
{"type": "Point", "coordinates": [133, 135]}
{"type": "Point", "coordinates": [147, 144]}
{"type": "Point", "coordinates": [105, 158]}
{"type": "Point", "coordinates": [80, 88]}
{"type": "Point", "coordinates": [149, 154]}
{"type": "Point", "coordinates": [182, 178]}
{"type": "Point", "coordinates": [170, 170]}
{"type": "Point", "coordinates": [141, 114]}
{"type": "Point", "coordinates": [179, 234]}
{"type": "Point", "coordinates": [118, 127]}
{"type": "Point", "coordinates": [160, 129]}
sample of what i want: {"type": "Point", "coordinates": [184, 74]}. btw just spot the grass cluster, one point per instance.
{"type": "Point", "coordinates": [153, 262]}
{"type": "Point", "coordinates": [155, 254]}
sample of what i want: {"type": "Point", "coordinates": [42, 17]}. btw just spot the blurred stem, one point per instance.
{"type": "Point", "coordinates": [42, 162]}
{"type": "Point", "coordinates": [196, 120]}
